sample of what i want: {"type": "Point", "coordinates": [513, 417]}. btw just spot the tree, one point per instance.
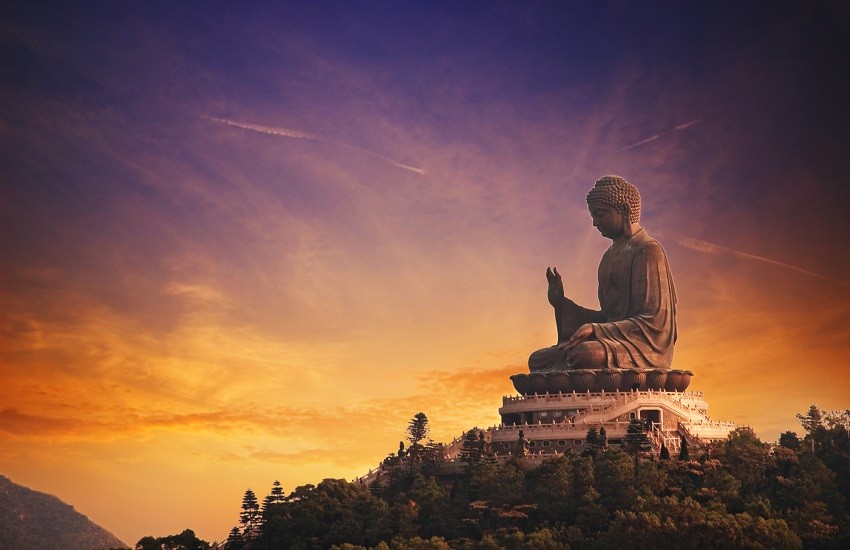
{"type": "Point", "coordinates": [636, 441]}
{"type": "Point", "coordinates": [838, 419]}
{"type": "Point", "coordinates": [614, 480]}
{"type": "Point", "coordinates": [789, 440]}
{"type": "Point", "coordinates": [184, 541]}
{"type": "Point", "coordinates": [334, 512]}
{"type": "Point", "coordinates": [684, 455]}
{"type": "Point", "coordinates": [275, 496]}
{"type": "Point", "coordinates": [812, 422]}
{"type": "Point", "coordinates": [603, 438]}
{"type": "Point", "coordinates": [417, 429]}
{"type": "Point", "coordinates": [549, 488]}
{"type": "Point", "coordinates": [234, 540]}
{"type": "Point", "coordinates": [592, 437]}
{"type": "Point", "coordinates": [471, 451]}
{"type": "Point", "coordinates": [250, 516]}
{"type": "Point", "coordinates": [665, 452]}
{"type": "Point", "coordinates": [432, 503]}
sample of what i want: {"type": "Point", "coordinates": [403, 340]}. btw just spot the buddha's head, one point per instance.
{"type": "Point", "coordinates": [614, 205]}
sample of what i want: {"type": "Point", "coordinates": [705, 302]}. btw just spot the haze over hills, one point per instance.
{"type": "Point", "coordinates": [32, 520]}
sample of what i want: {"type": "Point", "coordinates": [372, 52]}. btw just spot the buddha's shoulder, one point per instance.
{"type": "Point", "coordinates": [647, 245]}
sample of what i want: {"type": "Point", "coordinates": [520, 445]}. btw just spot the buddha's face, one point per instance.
{"type": "Point", "coordinates": [606, 219]}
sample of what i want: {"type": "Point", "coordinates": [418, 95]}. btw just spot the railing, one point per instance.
{"type": "Point", "coordinates": [670, 438]}
{"type": "Point", "coordinates": [686, 395]}
{"type": "Point", "coordinates": [565, 430]}
{"type": "Point", "coordinates": [706, 430]}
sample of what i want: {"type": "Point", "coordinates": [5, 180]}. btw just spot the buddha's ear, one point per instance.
{"type": "Point", "coordinates": [626, 211]}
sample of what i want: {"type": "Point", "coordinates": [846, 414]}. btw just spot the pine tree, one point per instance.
{"type": "Point", "coordinates": [592, 437]}
{"type": "Point", "coordinates": [665, 452]}
{"type": "Point", "coordinates": [417, 430]}
{"type": "Point", "coordinates": [812, 422]}
{"type": "Point", "coordinates": [684, 455]}
{"type": "Point", "coordinates": [603, 438]}
{"type": "Point", "coordinates": [593, 442]}
{"type": "Point", "coordinates": [636, 441]}
{"type": "Point", "coordinates": [250, 516]}
{"type": "Point", "coordinates": [234, 540]}
{"type": "Point", "coordinates": [276, 496]}
{"type": "Point", "coordinates": [375, 487]}
{"type": "Point", "coordinates": [471, 450]}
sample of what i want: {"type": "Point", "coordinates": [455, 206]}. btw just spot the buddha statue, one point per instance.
{"type": "Point", "coordinates": [635, 327]}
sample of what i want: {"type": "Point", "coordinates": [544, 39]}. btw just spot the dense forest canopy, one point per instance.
{"type": "Point", "coordinates": [738, 493]}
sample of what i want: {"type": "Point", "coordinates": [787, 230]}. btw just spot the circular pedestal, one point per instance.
{"type": "Point", "coordinates": [598, 380]}
{"type": "Point", "coordinates": [633, 379]}
{"type": "Point", "coordinates": [559, 382]}
{"type": "Point", "coordinates": [608, 379]}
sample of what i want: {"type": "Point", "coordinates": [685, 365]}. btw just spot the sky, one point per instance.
{"type": "Point", "coordinates": [247, 243]}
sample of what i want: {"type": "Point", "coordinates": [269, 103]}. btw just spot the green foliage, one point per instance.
{"type": "Point", "coordinates": [235, 540]}
{"type": "Point", "coordinates": [333, 512]}
{"type": "Point", "coordinates": [789, 440]}
{"type": "Point", "coordinates": [636, 441]}
{"type": "Point", "coordinates": [472, 449]}
{"type": "Point", "coordinates": [275, 496]}
{"type": "Point", "coordinates": [250, 516]}
{"type": "Point", "coordinates": [592, 437]}
{"type": "Point", "coordinates": [812, 420]}
{"type": "Point", "coordinates": [740, 493]}
{"type": "Point", "coordinates": [684, 453]}
{"type": "Point", "coordinates": [184, 541]}
{"type": "Point", "coordinates": [548, 487]}
{"type": "Point", "coordinates": [417, 429]}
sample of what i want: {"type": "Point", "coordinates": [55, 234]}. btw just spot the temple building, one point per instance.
{"type": "Point", "coordinates": [554, 416]}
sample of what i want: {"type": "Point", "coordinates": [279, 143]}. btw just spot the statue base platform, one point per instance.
{"type": "Point", "coordinates": [599, 380]}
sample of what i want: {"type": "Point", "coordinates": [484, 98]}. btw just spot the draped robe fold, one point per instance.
{"type": "Point", "coordinates": [636, 325]}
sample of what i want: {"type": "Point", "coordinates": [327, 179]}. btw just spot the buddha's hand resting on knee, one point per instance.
{"type": "Point", "coordinates": [583, 333]}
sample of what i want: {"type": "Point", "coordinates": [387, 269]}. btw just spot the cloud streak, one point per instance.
{"type": "Point", "coordinates": [659, 135]}
{"type": "Point", "coordinates": [295, 134]}
{"type": "Point", "coordinates": [704, 246]}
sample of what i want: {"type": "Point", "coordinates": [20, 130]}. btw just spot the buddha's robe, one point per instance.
{"type": "Point", "coordinates": [636, 326]}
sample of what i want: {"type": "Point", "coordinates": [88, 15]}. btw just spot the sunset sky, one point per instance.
{"type": "Point", "coordinates": [248, 243]}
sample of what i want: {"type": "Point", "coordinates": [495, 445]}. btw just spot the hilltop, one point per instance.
{"type": "Point", "coordinates": [32, 520]}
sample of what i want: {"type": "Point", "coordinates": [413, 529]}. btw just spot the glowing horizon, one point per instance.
{"type": "Point", "coordinates": [241, 246]}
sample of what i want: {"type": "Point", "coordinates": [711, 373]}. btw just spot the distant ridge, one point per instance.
{"type": "Point", "coordinates": [31, 520]}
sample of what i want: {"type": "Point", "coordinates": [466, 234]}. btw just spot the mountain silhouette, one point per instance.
{"type": "Point", "coordinates": [32, 520]}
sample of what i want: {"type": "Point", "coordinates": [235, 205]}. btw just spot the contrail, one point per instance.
{"type": "Point", "coordinates": [687, 124]}
{"type": "Point", "coordinates": [264, 129]}
{"type": "Point", "coordinates": [704, 246]}
{"type": "Point", "coordinates": [638, 144]}
{"type": "Point", "coordinates": [286, 132]}
{"type": "Point", "coordinates": [680, 127]}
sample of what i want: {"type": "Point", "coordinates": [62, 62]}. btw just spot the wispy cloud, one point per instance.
{"type": "Point", "coordinates": [286, 132]}
{"type": "Point", "coordinates": [704, 246]}
{"type": "Point", "coordinates": [687, 124]}
{"type": "Point", "coordinates": [659, 135]}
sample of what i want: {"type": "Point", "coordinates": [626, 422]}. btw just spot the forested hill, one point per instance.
{"type": "Point", "coordinates": [31, 520]}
